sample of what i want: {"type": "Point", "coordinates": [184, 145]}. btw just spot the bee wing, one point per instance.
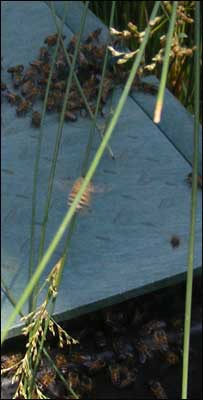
{"type": "Point", "coordinates": [102, 188]}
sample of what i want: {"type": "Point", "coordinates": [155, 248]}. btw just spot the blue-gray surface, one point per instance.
{"type": "Point", "coordinates": [121, 247]}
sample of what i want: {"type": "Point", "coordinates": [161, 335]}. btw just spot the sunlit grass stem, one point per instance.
{"type": "Point", "coordinates": [191, 245]}
{"type": "Point", "coordinates": [162, 86]}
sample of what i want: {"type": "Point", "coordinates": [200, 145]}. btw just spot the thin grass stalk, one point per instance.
{"type": "Point", "coordinates": [81, 91]}
{"type": "Point", "coordinates": [56, 148]}
{"type": "Point", "coordinates": [37, 159]}
{"type": "Point", "coordinates": [162, 86]}
{"type": "Point", "coordinates": [51, 301]}
{"type": "Point", "coordinates": [92, 131]}
{"type": "Point", "coordinates": [69, 215]}
{"type": "Point", "coordinates": [191, 245]}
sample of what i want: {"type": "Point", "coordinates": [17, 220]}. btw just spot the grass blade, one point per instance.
{"type": "Point", "coordinates": [191, 245]}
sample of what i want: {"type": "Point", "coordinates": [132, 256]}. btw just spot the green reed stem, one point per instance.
{"type": "Point", "coordinates": [162, 86]}
{"type": "Point", "coordinates": [92, 130]}
{"type": "Point", "coordinates": [191, 245]}
{"type": "Point", "coordinates": [37, 159]}
{"type": "Point", "coordinates": [69, 215]}
{"type": "Point", "coordinates": [57, 145]}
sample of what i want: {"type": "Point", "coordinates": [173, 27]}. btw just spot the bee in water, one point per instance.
{"type": "Point", "coordinates": [86, 197]}
{"type": "Point", "coordinates": [199, 180]}
{"type": "Point", "coordinates": [175, 241]}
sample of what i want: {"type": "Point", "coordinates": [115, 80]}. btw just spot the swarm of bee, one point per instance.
{"type": "Point", "coordinates": [31, 82]}
{"type": "Point", "coordinates": [114, 353]}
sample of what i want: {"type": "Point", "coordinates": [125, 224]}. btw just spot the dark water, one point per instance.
{"type": "Point", "coordinates": [129, 323]}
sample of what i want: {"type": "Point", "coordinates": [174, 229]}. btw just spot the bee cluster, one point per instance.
{"type": "Point", "coordinates": [113, 353]}
{"type": "Point", "coordinates": [31, 82]}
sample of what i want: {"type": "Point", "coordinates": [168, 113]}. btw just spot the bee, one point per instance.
{"type": "Point", "coordinates": [61, 362]}
{"type": "Point", "coordinates": [171, 358]}
{"type": "Point", "coordinates": [122, 348]}
{"type": "Point", "coordinates": [86, 384]}
{"type": "Point", "coordinates": [157, 390]}
{"type": "Point", "coordinates": [93, 36]}
{"type": "Point", "coordinates": [17, 79]}
{"type": "Point", "coordinates": [107, 87]}
{"type": "Point", "coordinates": [151, 326]}
{"type": "Point", "coordinates": [100, 340]}
{"type": "Point", "coordinates": [143, 351]}
{"type": "Point", "coordinates": [95, 365]}
{"type": "Point", "coordinates": [36, 118]}
{"type": "Point", "coordinates": [175, 241]}
{"type": "Point", "coordinates": [3, 86]}
{"type": "Point", "coordinates": [72, 43]}
{"type": "Point", "coordinates": [80, 358]}
{"type": "Point", "coordinates": [70, 116]}
{"type": "Point", "coordinates": [146, 87]}
{"type": "Point", "coordinates": [52, 39]}
{"type": "Point", "coordinates": [43, 54]}
{"type": "Point", "coordinates": [33, 94]}
{"type": "Point", "coordinates": [61, 85]}
{"type": "Point", "coordinates": [199, 180]}
{"type": "Point", "coordinates": [30, 74]}
{"type": "Point", "coordinates": [127, 377]}
{"type": "Point", "coordinates": [26, 87]}
{"type": "Point", "coordinates": [115, 374]}
{"type": "Point", "coordinates": [160, 340]}
{"type": "Point", "coordinates": [73, 380]}
{"type": "Point", "coordinates": [86, 197]}
{"type": "Point", "coordinates": [46, 379]}
{"type": "Point", "coordinates": [13, 98]}
{"type": "Point", "coordinates": [50, 103]}
{"type": "Point", "coordinates": [45, 69]}
{"type": "Point", "coordinates": [16, 69]}
{"type": "Point", "coordinates": [10, 362]}
{"type": "Point", "coordinates": [37, 64]}
{"type": "Point", "coordinates": [23, 107]}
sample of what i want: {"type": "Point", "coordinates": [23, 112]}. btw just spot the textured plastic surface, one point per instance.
{"type": "Point", "coordinates": [121, 246]}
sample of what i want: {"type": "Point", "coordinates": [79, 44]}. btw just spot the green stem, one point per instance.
{"type": "Point", "coordinates": [191, 245]}
{"type": "Point", "coordinates": [37, 159]}
{"type": "Point", "coordinates": [162, 86]}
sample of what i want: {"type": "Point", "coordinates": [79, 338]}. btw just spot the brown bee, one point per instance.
{"type": "Point", "coordinates": [171, 358]}
{"type": "Point", "coordinates": [37, 64]}
{"type": "Point", "coordinates": [95, 365]}
{"type": "Point", "coordinates": [151, 326]}
{"type": "Point", "coordinates": [45, 69]}
{"type": "Point", "coordinates": [86, 197]}
{"type": "Point", "coordinates": [33, 94]}
{"type": "Point", "coordinates": [72, 43]}
{"type": "Point", "coordinates": [16, 69]}
{"type": "Point", "coordinates": [175, 241]}
{"type": "Point", "coordinates": [17, 79]}
{"type": "Point", "coordinates": [93, 36]}
{"type": "Point", "coordinates": [50, 103]}
{"type": "Point", "coordinates": [43, 54]}
{"type": "Point", "coordinates": [80, 358]}
{"type": "Point", "coordinates": [23, 107]}
{"type": "Point", "coordinates": [107, 87]}
{"type": "Point", "coordinates": [86, 384]}
{"type": "Point", "coordinates": [157, 390]}
{"type": "Point", "coordinates": [143, 351]}
{"type": "Point", "coordinates": [127, 377]}
{"type": "Point", "coordinates": [12, 98]}
{"type": "Point", "coordinates": [30, 74]}
{"type": "Point", "coordinates": [61, 85]}
{"type": "Point", "coordinates": [52, 39]}
{"type": "Point", "coordinates": [3, 86]}
{"type": "Point", "coordinates": [36, 118]}
{"type": "Point", "coordinates": [61, 362]}
{"type": "Point", "coordinates": [73, 380]}
{"type": "Point", "coordinates": [199, 180]}
{"type": "Point", "coordinates": [160, 340]}
{"type": "Point", "coordinates": [70, 116]}
{"type": "Point", "coordinates": [26, 87]}
{"type": "Point", "coordinates": [100, 339]}
{"type": "Point", "coordinates": [46, 378]}
{"type": "Point", "coordinates": [10, 362]}
{"type": "Point", "coordinates": [115, 374]}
